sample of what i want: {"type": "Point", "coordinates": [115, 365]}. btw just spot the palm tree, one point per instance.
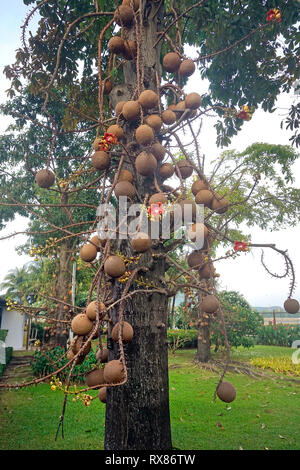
{"type": "Point", "coordinates": [17, 283]}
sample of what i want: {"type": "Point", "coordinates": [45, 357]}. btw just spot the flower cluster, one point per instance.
{"type": "Point", "coordinates": [49, 249]}
{"type": "Point", "coordinates": [245, 113]}
{"type": "Point", "coordinates": [240, 246]}
{"type": "Point", "coordinates": [155, 210]}
{"type": "Point", "coordinates": [107, 141]}
{"type": "Point", "coordinates": [274, 15]}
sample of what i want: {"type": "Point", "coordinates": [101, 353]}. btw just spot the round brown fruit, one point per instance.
{"type": "Point", "coordinates": [78, 343]}
{"type": "Point", "coordinates": [114, 266]}
{"type": "Point", "coordinates": [116, 45]}
{"type": "Point", "coordinates": [91, 310]}
{"type": "Point", "coordinates": [131, 110]}
{"type": "Point", "coordinates": [94, 377]}
{"type": "Point", "coordinates": [185, 169]}
{"type": "Point", "coordinates": [166, 171]}
{"type": "Point", "coordinates": [116, 130]}
{"type": "Point", "coordinates": [171, 62]}
{"type": "Point", "coordinates": [88, 253]}
{"type": "Point", "coordinates": [95, 241]}
{"type": "Point", "coordinates": [124, 15]}
{"type": "Point", "coordinates": [193, 101]}
{"type": "Point", "coordinates": [148, 99]}
{"type": "Point", "coordinates": [127, 333]}
{"type": "Point", "coordinates": [136, 4]}
{"type": "Point", "coordinates": [141, 242]}
{"type": "Point", "coordinates": [158, 197]}
{"type": "Point", "coordinates": [197, 231]}
{"type": "Point", "coordinates": [102, 355]}
{"type": "Point", "coordinates": [124, 188]}
{"type": "Point", "coordinates": [102, 394]}
{"type": "Point", "coordinates": [198, 185]}
{"type": "Point", "coordinates": [125, 175]}
{"type": "Point", "coordinates": [180, 106]}
{"type": "Point", "coordinates": [158, 151]}
{"type": "Point", "coordinates": [195, 258]}
{"type": "Point", "coordinates": [100, 160]}
{"type": "Point", "coordinates": [226, 392]}
{"type": "Point", "coordinates": [291, 306]}
{"type": "Point", "coordinates": [81, 325]}
{"type": "Point", "coordinates": [130, 49]}
{"type": "Point", "coordinates": [207, 271]}
{"type": "Point", "coordinates": [144, 134]}
{"type": "Point", "coordinates": [119, 107]}
{"type": "Point", "coordinates": [146, 163]}
{"type": "Point", "coordinates": [168, 117]}
{"type": "Point", "coordinates": [154, 121]}
{"type": "Point", "coordinates": [187, 68]}
{"type": "Point", "coordinates": [44, 178]}
{"type": "Point", "coordinates": [204, 196]}
{"type": "Point", "coordinates": [219, 204]}
{"type": "Point", "coordinates": [210, 304]}
{"type": "Point", "coordinates": [113, 372]}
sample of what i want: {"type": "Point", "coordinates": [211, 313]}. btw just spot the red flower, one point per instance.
{"type": "Point", "coordinates": [243, 115]}
{"type": "Point", "coordinates": [110, 138]}
{"type": "Point", "coordinates": [274, 15]}
{"type": "Point", "coordinates": [156, 209]}
{"type": "Point", "coordinates": [240, 246]}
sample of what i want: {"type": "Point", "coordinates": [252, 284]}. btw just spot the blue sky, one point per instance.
{"type": "Point", "coordinates": [249, 276]}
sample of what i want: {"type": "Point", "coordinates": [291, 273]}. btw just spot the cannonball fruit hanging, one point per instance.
{"type": "Point", "coordinates": [226, 392]}
{"type": "Point", "coordinates": [88, 252]}
{"type": "Point", "coordinates": [81, 325]}
{"type": "Point", "coordinates": [102, 394]}
{"type": "Point", "coordinates": [171, 62]}
{"type": "Point", "coordinates": [148, 99]}
{"type": "Point", "coordinates": [94, 377]}
{"type": "Point", "coordinates": [141, 242]}
{"type": "Point", "coordinates": [210, 304]}
{"type": "Point", "coordinates": [91, 310]}
{"type": "Point", "coordinates": [127, 332]}
{"type": "Point", "coordinates": [100, 160]}
{"type": "Point", "coordinates": [114, 372]}
{"type": "Point", "coordinates": [291, 306]}
{"type": "Point", "coordinates": [44, 178]}
{"type": "Point", "coordinates": [114, 266]}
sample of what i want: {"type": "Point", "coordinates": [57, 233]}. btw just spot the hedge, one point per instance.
{"type": "Point", "coordinates": [188, 338]}
{"type": "Point", "coordinates": [3, 334]}
{"type": "Point", "coordinates": [8, 356]}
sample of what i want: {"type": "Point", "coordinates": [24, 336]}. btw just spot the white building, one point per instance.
{"type": "Point", "coordinates": [15, 323]}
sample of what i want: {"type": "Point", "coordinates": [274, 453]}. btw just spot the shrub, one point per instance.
{"type": "Point", "coordinates": [3, 334]}
{"type": "Point", "coordinates": [281, 365]}
{"type": "Point", "coordinates": [8, 356]}
{"type": "Point", "coordinates": [280, 335]}
{"type": "Point", "coordinates": [242, 323]}
{"type": "Point", "coordinates": [187, 338]}
{"type": "Point", "coordinates": [45, 362]}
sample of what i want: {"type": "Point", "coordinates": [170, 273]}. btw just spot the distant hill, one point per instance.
{"type": "Point", "coordinates": [269, 309]}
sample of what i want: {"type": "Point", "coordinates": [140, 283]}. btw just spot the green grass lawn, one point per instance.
{"type": "Point", "coordinates": [265, 414]}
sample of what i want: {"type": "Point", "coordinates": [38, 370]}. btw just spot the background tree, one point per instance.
{"type": "Point", "coordinates": [60, 58]}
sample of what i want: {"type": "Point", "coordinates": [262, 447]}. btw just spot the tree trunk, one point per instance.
{"type": "Point", "coordinates": [137, 413]}
{"type": "Point", "coordinates": [203, 344]}
{"type": "Point", "coordinates": [62, 292]}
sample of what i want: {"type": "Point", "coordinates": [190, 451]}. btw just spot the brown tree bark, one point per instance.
{"type": "Point", "coordinates": [137, 413]}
